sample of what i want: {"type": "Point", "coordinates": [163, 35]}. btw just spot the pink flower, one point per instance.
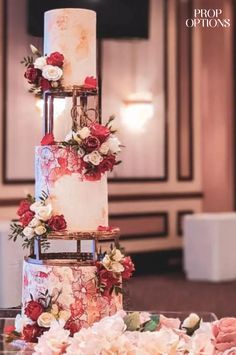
{"type": "Point", "coordinates": [224, 331]}
{"type": "Point", "coordinates": [24, 207]}
{"type": "Point", "coordinates": [48, 139]}
{"type": "Point", "coordinates": [99, 131]}
{"type": "Point", "coordinates": [172, 323]}
{"type": "Point", "coordinates": [55, 58]}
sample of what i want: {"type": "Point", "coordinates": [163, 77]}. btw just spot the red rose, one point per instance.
{"type": "Point", "coordinates": [48, 139]}
{"type": "Point", "coordinates": [31, 332]}
{"type": "Point", "coordinates": [107, 163]}
{"type": "Point", "coordinates": [92, 175]}
{"type": "Point", "coordinates": [99, 131]}
{"type": "Point", "coordinates": [91, 143]}
{"type": "Point", "coordinates": [26, 218]}
{"type": "Point", "coordinates": [32, 75]}
{"type": "Point", "coordinates": [90, 82]}
{"type": "Point", "coordinates": [55, 58]}
{"type": "Point", "coordinates": [45, 84]}
{"type": "Point", "coordinates": [73, 325]}
{"type": "Point", "coordinates": [57, 223]}
{"type": "Point", "coordinates": [24, 207]}
{"type": "Point", "coordinates": [33, 310]}
{"type": "Point", "coordinates": [129, 268]}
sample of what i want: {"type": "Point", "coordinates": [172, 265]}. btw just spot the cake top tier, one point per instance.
{"type": "Point", "coordinates": [72, 32]}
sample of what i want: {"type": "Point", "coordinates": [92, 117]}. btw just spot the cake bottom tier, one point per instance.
{"type": "Point", "coordinates": [73, 289]}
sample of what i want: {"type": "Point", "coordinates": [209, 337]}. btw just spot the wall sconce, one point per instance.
{"type": "Point", "coordinates": [136, 112]}
{"type": "Point", "coordinates": [59, 106]}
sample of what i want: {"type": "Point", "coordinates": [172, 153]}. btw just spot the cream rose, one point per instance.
{"type": "Point", "coordinates": [191, 321]}
{"type": "Point", "coordinates": [111, 265]}
{"type": "Point", "coordinates": [95, 158]}
{"type": "Point", "coordinates": [84, 132]}
{"type": "Point", "coordinates": [117, 256]}
{"type": "Point", "coordinates": [45, 319]}
{"type": "Point", "coordinates": [35, 206]}
{"type": "Point", "coordinates": [28, 232]}
{"type": "Point", "coordinates": [104, 148]}
{"type": "Point", "coordinates": [44, 212]}
{"type": "Point", "coordinates": [55, 309]}
{"type": "Point", "coordinates": [40, 230]}
{"type": "Point", "coordinates": [52, 72]}
{"type": "Point", "coordinates": [40, 63]}
{"type": "Point", "coordinates": [34, 223]}
{"type": "Point", "coordinates": [114, 144]}
{"type": "Point", "coordinates": [64, 315]}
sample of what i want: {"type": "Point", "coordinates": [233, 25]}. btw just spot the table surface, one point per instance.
{"type": "Point", "coordinates": [7, 318]}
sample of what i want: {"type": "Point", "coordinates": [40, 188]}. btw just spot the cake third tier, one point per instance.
{"type": "Point", "coordinates": [83, 203]}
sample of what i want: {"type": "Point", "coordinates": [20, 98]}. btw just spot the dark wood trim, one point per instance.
{"type": "Point", "coordinates": [154, 197]}
{"type": "Point", "coordinates": [179, 216]}
{"type": "Point", "coordinates": [165, 177]}
{"type": "Point", "coordinates": [143, 235]}
{"type": "Point", "coordinates": [179, 24]}
{"type": "Point", "coordinates": [8, 202]}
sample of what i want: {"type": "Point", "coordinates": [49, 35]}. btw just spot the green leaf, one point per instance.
{"type": "Point", "coordinates": [150, 326]}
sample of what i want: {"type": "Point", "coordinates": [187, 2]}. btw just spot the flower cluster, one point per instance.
{"type": "Point", "coordinates": [39, 315]}
{"type": "Point", "coordinates": [113, 267]}
{"type": "Point", "coordinates": [142, 333]}
{"type": "Point", "coordinates": [36, 219]}
{"type": "Point", "coordinates": [45, 72]}
{"type": "Point", "coordinates": [97, 148]}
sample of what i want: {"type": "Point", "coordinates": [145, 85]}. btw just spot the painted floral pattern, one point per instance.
{"type": "Point", "coordinates": [74, 288]}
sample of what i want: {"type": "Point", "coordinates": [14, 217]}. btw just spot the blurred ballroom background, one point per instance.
{"type": "Point", "coordinates": [172, 89]}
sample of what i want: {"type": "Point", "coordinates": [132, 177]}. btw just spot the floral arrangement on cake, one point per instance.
{"type": "Point", "coordinates": [36, 219]}
{"type": "Point", "coordinates": [95, 150]}
{"type": "Point", "coordinates": [45, 72]}
{"type": "Point", "coordinates": [141, 333]}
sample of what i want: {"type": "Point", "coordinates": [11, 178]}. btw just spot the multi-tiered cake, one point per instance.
{"type": "Point", "coordinates": [71, 201]}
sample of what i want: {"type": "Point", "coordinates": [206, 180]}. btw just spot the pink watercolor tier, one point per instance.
{"type": "Point", "coordinates": [83, 203]}
{"type": "Point", "coordinates": [76, 288]}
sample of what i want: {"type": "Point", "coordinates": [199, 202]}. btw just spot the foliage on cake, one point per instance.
{"type": "Point", "coordinates": [143, 333]}
{"type": "Point", "coordinates": [111, 270]}
{"type": "Point", "coordinates": [36, 219]}
{"type": "Point", "coordinates": [96, 148]}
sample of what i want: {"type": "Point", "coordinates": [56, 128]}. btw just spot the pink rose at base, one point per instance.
{"type": "Point", "coordinates": [224, 332]}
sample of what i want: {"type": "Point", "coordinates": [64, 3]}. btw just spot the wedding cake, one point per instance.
{"type": "Point", "coordinates": [71, 197]}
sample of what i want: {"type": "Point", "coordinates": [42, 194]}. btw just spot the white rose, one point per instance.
{"type": "Point", "coordinates": [104, 148]}
{"type": "Point", "coordinates": [45, 319]}
{"type": "Point", "coordinates": [191, 321]}
{"type": "Point", "coordinates": [52, 72]}
{"type": "Point", "coordinates": [64, 315]}
{"type": "Point", "coordinates": [21, 322]}
{"type": "Point", "coordinates": [114, 144]}
{"type": "Point", "coordinates": [95, 158]}
{"type": "Point", "coordinates": [28, 232]}
{"type": "Point", "coordinates": [34, 223]}
{"type": "Point", "coordinates": [40, 230]}
{"type": "Point", "coordinates": [44, 212]}
{"type": "Point", "coordinates": [40, 63]}
{"type": "Point", "coordinates": [84, 132]}
{"type": "Point", "coordinates": [110, 265]}
{"type": "Point", "coordinates": [118, 256]}
{"type": "Point", "coordinates": [35, 206]}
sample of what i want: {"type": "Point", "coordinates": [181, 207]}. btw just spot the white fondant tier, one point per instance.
{"type": "Point", "coordinates": [72, 32]}
{"type": "Point", "coordinates": [73, 288]}
{"type": "Point", "coordinates": [84, 204]}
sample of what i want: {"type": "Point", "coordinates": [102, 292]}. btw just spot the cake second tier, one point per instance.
{"type": "Point", "coordinates": [83, 203]}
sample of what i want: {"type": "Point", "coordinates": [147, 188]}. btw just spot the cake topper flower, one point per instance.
{"type": "Point", "coordinates": [43, 72]}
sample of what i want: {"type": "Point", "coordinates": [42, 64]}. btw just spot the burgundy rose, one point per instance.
{"type": "Point", "coordinates": [26, 218]}
{"type": "Point", "coordinates": [73, 326]}
{"type": "Point", "coordinates": [92, 175]}
{"type": "Point", "coordinates": [32, 75]}
{"type": "Point", "coordinates": [44, 84]}
{"type": "Point", "coordinates": [90, 82]}
{"type": "Point", "coordinates": [107, 163]}
{"type": "Point", "coordinates": [91, 143]}
{"type": "Point", "coordinates": [129, 268]}
{"type": "Point", "coordinates": [31, 332]}
{"type": "Point", "coordinates": [55, 58]}
{"type": "Point", "coordinates": [99, 131]}
{"type": "Point", "coordinates": [57, 223]}
{"type": "Point", "coordinates": [48, 139]}
{"type": "Point", "coordinates": [33, 310]}
{"type": "Point", "coordinates": [24, 207]}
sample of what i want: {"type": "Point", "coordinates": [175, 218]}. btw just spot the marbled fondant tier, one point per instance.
{"type": "Point", "coordinates": [73, 287]}
{"type": "Point", "coordinates": [72, 32]}
{"type": "Point", "coordinates": [84, 204]}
